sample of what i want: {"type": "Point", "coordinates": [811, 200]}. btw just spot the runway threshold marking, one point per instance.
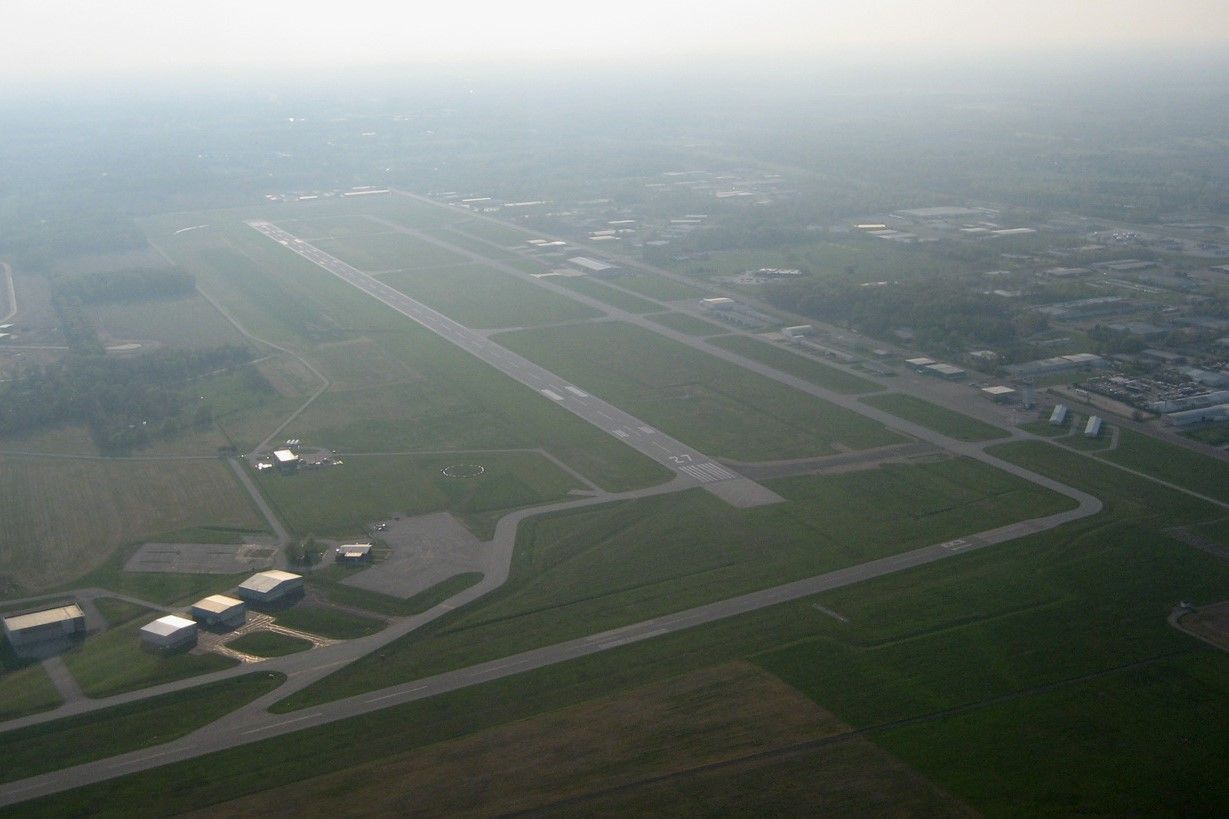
{"type": "Point", "coordinates": [552, 395]}
{"type": "Point", "coordinates": [577, 392]}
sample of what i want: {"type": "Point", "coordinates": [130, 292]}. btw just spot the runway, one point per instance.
{"type": "Point", "coordinates": [676, 456]}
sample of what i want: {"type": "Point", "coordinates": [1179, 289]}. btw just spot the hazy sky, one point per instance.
{"type": "Point", "coordinates": [43, 39]}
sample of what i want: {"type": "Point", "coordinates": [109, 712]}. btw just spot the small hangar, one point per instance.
{"type": "Point", "coordinates": [272, 586]}
{"type": "Point", "coordinates": [169, 633]}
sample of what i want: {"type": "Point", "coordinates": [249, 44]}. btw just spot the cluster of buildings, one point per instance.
{"type": "Point", "coordinates": [53, 626]}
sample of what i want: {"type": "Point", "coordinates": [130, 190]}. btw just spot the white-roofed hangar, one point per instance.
{"type": "Point", "coordinates": [169, 633]}
{"type": "Point", "coordinates": [34, 627]}
{"type": "Point", "coordinates": [273, 586]}
{"type": "Point", "coordinates": [220, 611]}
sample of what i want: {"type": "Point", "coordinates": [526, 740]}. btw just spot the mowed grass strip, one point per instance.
{"type": "Point", "coordinates": [1190, 470]}
{"type": "Point", "coordinates": [268, 644]}
{"type": "Point", "coordinates": [330, 581]}
{"type": "Point", "coordinates": [25, 687]}
{"type": "Point", "coordinates": [75, 740]}
{"type": "Point", "coordinates": [477, 296]}
{"type": "Point", "coordinates": [717, 407]}
{"type": "Point", "coordinates": [932, 416]}
{"type": "Point", "coordinates": [389, 251]}
{"type": "Point", "coordinates": [818, 373]}
{"type": "Point", "coordinates": [579, 571]}
{"type": "Point", "coordinates": [660, 287]}
{"type": "Point", "coordinates": [116, 661]}
{"type": "Point", "coordinates": [609, 295]}
{"type": "Point", "coordinates": [688, 324]}
{"type": "Point", "coordinates": [332, 623]}
{"type": "Point", "coordinates": [63, 517]}
{"type": "Point", "coordinates": [345, 499]}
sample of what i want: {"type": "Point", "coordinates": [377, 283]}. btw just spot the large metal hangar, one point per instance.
{"type": "Point", "coordinates": [169, 633]}
{"type": "Point", "coordinates": [271, 586]}
{"type": "Point", "coordinates": [46, 624]}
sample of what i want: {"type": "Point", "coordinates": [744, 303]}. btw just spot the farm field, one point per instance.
{"type": "Point", "coordinates": [480, 297]}
{"type": "Point", "coordinates": [932, 416]}
{"type": "Point", "coordinates": [718, 408]}
{"type": "Point", "coordinates": [343, 500]}
{"type": "Point", "coordinates": [688, 324]}
{"type": "Point", "coordinates": [183, 322]}
{"type": "Point", "coordinates": [63, 517]}
{"type": "Point", "coordinates": [581, 571]}
{"type": "Point", "coordinates": [818, 373]}
{"type": "Point", "coordinates": [615, 298]}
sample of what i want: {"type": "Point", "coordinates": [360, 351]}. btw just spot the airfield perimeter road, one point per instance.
{"type": "Point", "coordinates": [674, 455]}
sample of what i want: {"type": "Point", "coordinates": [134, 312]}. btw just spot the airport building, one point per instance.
{"type": "Point", "coordinates": [797, 331]}
{"type": "Point", "coordinates": [1000, 394]}
{"type": "Point", "coordinates": [34, 627]}
{"type": "Point", "coordinates": [1204, 415]}
{"type": "Point", "coordinates": [949, 371]}
{"type": "Point", "coordinates": [594, 267]}
{"type": "Point", "coordinates": [717, 303]}
{"type": "Point", "coordinates": [270, 587]}
{"type": "Point", "coordinates": [220, 611]}
{"type": "Point", "coordinates": [285, 459]}
{"type": "Point", "coordinates": [169, 633]}
{"type": "Point", "coordinates": [353, 553]}
{"type": "Point", "coordinates": [1058, 417]}
{"type": "Point", "coordinates": [1093, 428]}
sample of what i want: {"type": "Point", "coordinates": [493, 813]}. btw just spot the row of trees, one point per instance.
{"type": "Point", "coordinates": [125, 402]}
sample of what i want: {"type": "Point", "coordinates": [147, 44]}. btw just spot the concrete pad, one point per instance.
{"type": "Point", "coordinates": [426, 550]}
{"type": "Point", "coordinates": [202, 558]}
{"type": "Point", "coordinates": [743, 493]}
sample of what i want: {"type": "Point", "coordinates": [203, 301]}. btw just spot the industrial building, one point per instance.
{"type": "Point", "coordinates": [592, 266]}
{"type": "Point", "coordinates": [1204, 415]}
{"type": "Point", "coordinates": [1058, 417]}
{"type": "Point", "coordinates": [30, 628]}
{"type": "Point", "coordinates": [717, 303]}
{"type": "Point", "coordinates": [920, 362]}
{"type": "Point", "coordinates": [797, 331]}
{"type": "Point", "coordinates": [270, 587]}
{"type": "Point", "coordinates": [949, 371]}
{"type": "Point", "coordinates": [169, 633]}
{"type": "Point", "coordinates": [353, 553]}
{"type": "Point", "coordinates": [1058, 364]}
{"type": "Point", "coordinates": [220, 611]}
{"type": "Point", "coordinates": [1093, 428]}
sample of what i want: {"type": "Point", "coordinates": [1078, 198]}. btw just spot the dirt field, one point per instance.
{"type": "Point", "coordinates": [63, 517]}
{"type": "Point", "coordinates": [579, 753]}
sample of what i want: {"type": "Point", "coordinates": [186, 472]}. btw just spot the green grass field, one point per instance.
{"type": "Point", "coordinates": [268, 644]}
{"type": "Point", "coordinates": [609, 295]}
{"type": "Point", "coordinates": [932, 416]}
{"type": "Point", "coordinates": [659, 287]}
{"type": "Point", "coordinates": [717, 407]}
{"type": "Point", "coordinates": [117, 612]}
{"type": "Point", "coordinates": [585, 570]}
{"type": "Point", "coordinates": [183, 322]}
{"type": "Point", "coordinates": [63, 517]}
{"type": "Point", "coordinates": [328, 622]}
{"type": "Point", "coordinates": [495, 232]}
{"type": "Point", "coordinates": [1044, 428]}
{"type": "Point", "coordinates": [390, 251]}
{"type": "Point", "coordinates": [24, 687]}
{"type": "Point", "coordinates": [72, 741]}
{"type": "Point", "coordinates": [115, 661]}
{"type": "Point", "coordinates": [803, 366]}
{"type": "Point", "coordinates": [480, 297]}
{"type": "Point", "coordinates": [341, 500]}
{"type": "Point", "coordinates": [1190, 470]}
{"type": "Point", "coordinates": [688, 324]}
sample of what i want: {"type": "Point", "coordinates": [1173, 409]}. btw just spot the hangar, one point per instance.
{"type": "Point", "coordinates": [169, 633]}
{"type": "Point", "coordinates": [270, 587]}
{"type": "Point", "coordinates": [220, 611]}
{"type": "Point", "coordinates": [45, 624]}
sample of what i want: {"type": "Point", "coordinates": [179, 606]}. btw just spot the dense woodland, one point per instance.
{"type": "Point", "coordinates": [125, 402]}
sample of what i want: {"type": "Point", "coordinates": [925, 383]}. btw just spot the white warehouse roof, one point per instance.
{"type": "Point", "coordinates": [167, 626]}
{"type": "Point", "coordinates": [46, 617]}
{"type": "Point", "coordinates": [263, 582]}
{"type": "Point", "coordinates": [284, 456]}
{"type": "Point", "coordinates": [217, 604]}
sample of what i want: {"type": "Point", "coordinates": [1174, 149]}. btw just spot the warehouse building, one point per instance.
{"type": "Point", "coordinates": [169, 633]}
{"type": "Point", "coordinates": [999, 394]}
{"type": "Point", "coordinates": [220, 611]}
{"type": "Point", "coordinates": [1093, 428]}
{"type": "Point", "coordinates": [920, 363]}
{"type": "Point", "coordinates": [798, 331]}
{"type": "Point", "coordinates": [272, 586]}
{"type": "Point", "coordinates": [949, 371]}
{"type": "Point", "coordinates": [594, 267]}
{"type": "Point", "coordinates": [717, 303]}
{"type": "Point", "coordinates": [285, 459]}
{"type": "Point", "coordinates": [1204, 415]}
{"type": "Point", "coordinates": [32, 628]}
{"type": "Point", "coordinates": [1058, 417]}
